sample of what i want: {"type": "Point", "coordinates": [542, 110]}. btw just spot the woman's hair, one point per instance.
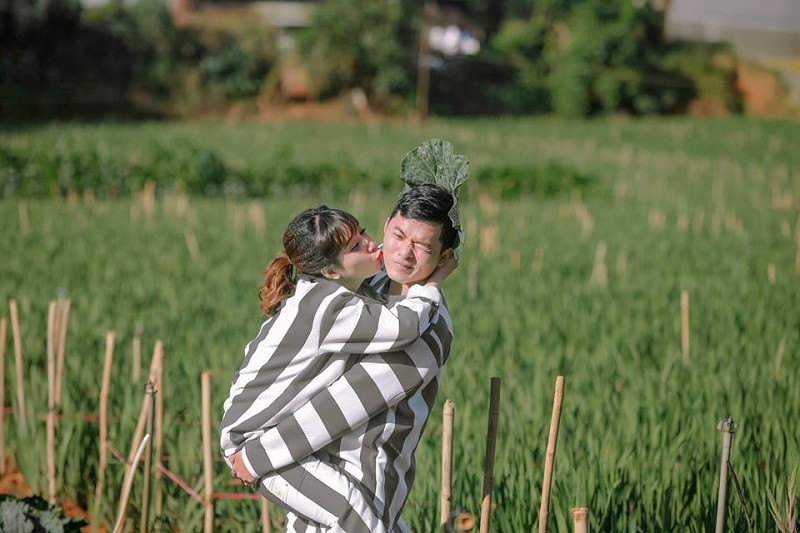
{"type": "Point", "coordinates": [429, 203]}
{"type": "Point", "coordinates": [311, 243]}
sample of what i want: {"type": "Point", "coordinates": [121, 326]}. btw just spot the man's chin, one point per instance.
{"type": "Point", "coordinates": [398, 275]}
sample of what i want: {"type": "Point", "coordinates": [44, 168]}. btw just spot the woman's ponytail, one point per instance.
{"type": "Point", "coordinates": [278, 284]}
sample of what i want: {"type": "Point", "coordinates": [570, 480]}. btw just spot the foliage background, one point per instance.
{"type": "Point", "coordinates": [568, 57]}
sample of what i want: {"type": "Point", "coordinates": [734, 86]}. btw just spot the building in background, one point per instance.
{"type": "Point", "coordinates": [766, 32]}
{"type": "Point", "coordinates": [755, 28]}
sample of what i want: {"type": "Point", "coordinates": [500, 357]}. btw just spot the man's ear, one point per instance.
{"type": "Point", "coordinates": [446, 255]}
{"type": "Point", "coordinates": [330, 273]}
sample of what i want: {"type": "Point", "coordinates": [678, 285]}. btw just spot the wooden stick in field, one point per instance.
{"type": "Point", "coordinates": [104, 390]}
{"type": "Point", "coordinates": [136, 364]}
{"type": "Point", "coordinates": [126, 485]}
{"type": "Point", "coordinates": [728, 427]}
{"type": "Point", "coordinates": [580, 518]}
{"type": "Point", "coordinates": [447, 463]}
{"type": "Point", "coordinates": [159, 438]}
{"type": "Point", "coordinates": [207, 457]}
{"type": "Point", "coordinates": [599, 271]}
{"type": "Point", "coordinates": [191, 244]}
{"type": "Point", "coordinates": [3, 330]}
{"type": "Point", "coordinates": [685, 324]}
{"type": "Point", "coordinates": [51, 403]}
{"type": "Point", "coordinates": [552, 440]}
{"type": "Point", "coordinates": [144, 519]}
{"type": "Point", "coordinates": [20, 414]}
{"type": "Point", "coordinates": [155, 368]}
{"type": "Point", "coordinates": [62, 308]}
{"type": "Point", "coordinates": [488, 465]}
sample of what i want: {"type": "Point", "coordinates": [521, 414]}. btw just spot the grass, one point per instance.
{"type": "Point", "coordinates": [705, 205]}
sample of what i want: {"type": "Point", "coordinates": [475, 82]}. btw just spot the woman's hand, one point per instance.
{"type": "Point", "coordinates": [239, 470]}
{"type": "Point", "coordinates": [443, 271]}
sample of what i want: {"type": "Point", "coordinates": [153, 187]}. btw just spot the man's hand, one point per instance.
{"type": "Point", "coordinates": [444, 270]}
{"type": "Point", "coordinates": [239, 470]}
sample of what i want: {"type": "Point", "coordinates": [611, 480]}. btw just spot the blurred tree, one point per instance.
{"type": "Point", "coordinates": [361, 43]}
{"type": "Point", "coordinates": [579, 57]}
{"type": "Point", "coordinates": [31, 35]}
{"type": "Point", "coordinates": [607, 59]}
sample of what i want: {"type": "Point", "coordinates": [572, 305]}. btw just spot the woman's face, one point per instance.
{"type": "Point", "coordinates": [359, 260]}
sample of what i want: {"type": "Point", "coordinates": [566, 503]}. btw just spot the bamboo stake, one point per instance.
{"type": "Point", "coordinates": [136, 370]}
{"type": "Point", "coordinates": [599, 271]}
{"type": "Point", "coordinates": [728, 427]}
{"type": "Point", "coordinates": [51, 403]}
{"type": "Point", "coordinates": [685, 324]}
{"type": "Point", "coordinates": [144, 519]}
{"type": "Point", "coordinates": [488, 465]}
{"type": "Point", "coordinates": [779, 359]}
{"type": "Point", "coordinates": [20, 414]}
{"type": "Point", "coordinates": [580, 517]}
{"type": "Point", "coordinates": [155, 366]}
{"type": "Point", "coordinates": [538, 259]}
{"type": "Point", "coordinates": [126, 485]}
{"type": "Point", "coordinates": [207, 457]}
{"type": "Point", "coordinates": [159, 437]}
{"type": "Point", "coordinates": [191, 244]}
{"type": "Point", "coordinates": [266, 527]}
{"type": "Point", "coordinates": [63, 324]}
{"type": "Point", "coordinates": [447, 463]}
{"type": "Point", "coordinates": [3, 331]}
{"type": "Point", "coordinates": [489, 240]}
{"type": "Point", "coordinates": [104, 390]}
{"type": "Point", "coordinates": [552, 441]}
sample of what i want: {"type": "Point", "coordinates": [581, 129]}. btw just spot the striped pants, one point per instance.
{"type": "Point", "coordinates": [321, 499]}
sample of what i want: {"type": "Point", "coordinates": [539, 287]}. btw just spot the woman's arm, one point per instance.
{"type": "Point", "coordinates": [357, 325]}
{"type": "Point", "coordinates": [283, 368]}
{"type": "Point", "coordinates": [364, 326]}
{"type": "Point", "coordinates": [373, 385]}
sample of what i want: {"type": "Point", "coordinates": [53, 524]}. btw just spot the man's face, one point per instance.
{"type": "Point", "coordinates": [411, 249]}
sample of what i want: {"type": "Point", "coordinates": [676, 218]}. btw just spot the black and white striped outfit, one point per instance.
{"type": "Point", "coordinates": [307, 345]}
{"type": "Point", "coordinates": [366, 426]}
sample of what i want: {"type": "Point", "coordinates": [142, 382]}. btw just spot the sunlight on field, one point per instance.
{"type": "Point", "coordinates": [584, 282]}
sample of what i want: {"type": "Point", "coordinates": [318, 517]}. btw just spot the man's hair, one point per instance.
{"type": "Point", "coordinates": [429, 203]}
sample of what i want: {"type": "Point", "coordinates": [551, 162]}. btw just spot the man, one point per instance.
{"type": "Point", "coordinates": [356, 439]}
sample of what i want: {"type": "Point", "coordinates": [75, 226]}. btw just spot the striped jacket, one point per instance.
{"type": "Point", "coordinates": [305, 347]}
{"type": "Point", "coordinates": [370, 421]}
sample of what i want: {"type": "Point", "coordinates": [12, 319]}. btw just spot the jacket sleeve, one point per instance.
{"type": "Point", "coordinates": [368, 388]}
{"type": "Point", "coordinates": [356, 325]}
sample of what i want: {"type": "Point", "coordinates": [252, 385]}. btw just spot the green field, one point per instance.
{"type": "Point", "coordinates": [710, 206]}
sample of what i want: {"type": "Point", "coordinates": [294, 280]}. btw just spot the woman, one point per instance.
{"type": "Point", "coordinates": [316, 322]}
